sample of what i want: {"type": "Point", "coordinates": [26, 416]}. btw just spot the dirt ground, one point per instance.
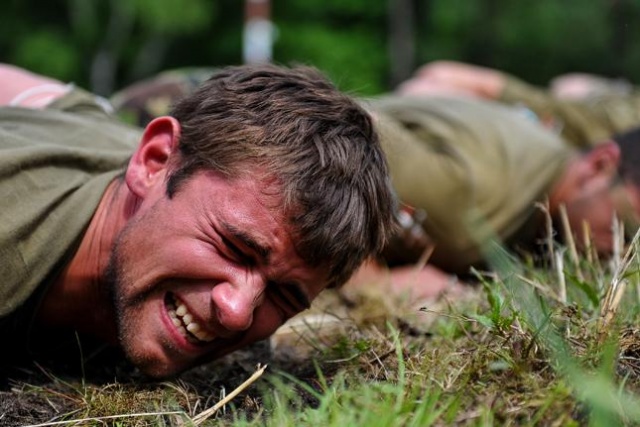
{"type": "Point", "coordinates": [38, 393]}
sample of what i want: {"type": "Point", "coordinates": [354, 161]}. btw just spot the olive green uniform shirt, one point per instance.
{"type": "Point", "coordinates": [476, 168]}
{"type": "Point", "coordinates": [55, 165]}
{"type": "Point", "coordinates": [583, 123]}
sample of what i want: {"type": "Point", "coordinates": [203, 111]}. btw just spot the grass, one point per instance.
{"type": "Point", "coordinates": [530, 346]}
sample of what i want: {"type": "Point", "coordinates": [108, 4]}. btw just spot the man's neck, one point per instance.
{"type": "Point", "coordinates": [79, 298]}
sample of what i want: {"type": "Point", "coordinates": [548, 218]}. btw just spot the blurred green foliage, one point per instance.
{"type": "Point", "coordinates": [106, 44]}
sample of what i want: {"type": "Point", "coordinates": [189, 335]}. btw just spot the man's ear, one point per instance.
{"type": "Point", "coordinates": [604, 158]}
{"type": "Point", "coordinates": [149, 163]}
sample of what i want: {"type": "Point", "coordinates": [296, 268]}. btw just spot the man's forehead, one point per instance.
{"type": "Point", "coordinates": [254, 197]}
{"type": "Point", "coordinates": [267, 186]}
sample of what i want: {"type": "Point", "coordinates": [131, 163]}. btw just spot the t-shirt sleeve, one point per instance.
{"type": "Point", "coordinates": [55, 166]}
{"type": "Point", "coordinates": [581, 123]}
{"type": "Point", "coordinates": [79, 101]}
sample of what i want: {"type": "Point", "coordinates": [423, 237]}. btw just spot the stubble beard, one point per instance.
{"type": "Point", "coordinates": [128, 305]}
{"type": "Point", "coordinates": [116, 285]}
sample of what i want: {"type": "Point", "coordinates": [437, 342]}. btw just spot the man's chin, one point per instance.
{"type": "Point", "coordinates": [161, 368]}
{"type": "Point", "coordinates": [158, 368]}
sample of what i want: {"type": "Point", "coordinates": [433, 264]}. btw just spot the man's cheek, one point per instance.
{"type": "Point", "coordinates": [266, 320]}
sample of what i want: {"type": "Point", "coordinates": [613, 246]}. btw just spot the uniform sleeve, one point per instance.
{"type": "Point", "coordinates": [81, 102]}
{"type": "Point", "coordinates": [583, 123]}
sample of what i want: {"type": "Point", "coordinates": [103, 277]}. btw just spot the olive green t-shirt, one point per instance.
{"type": "Point", "coordinates": [55, 165]}
{"type": "Point", "coordinates": [477, 169]}
{"type": "Point", "coordinates": [583, 123]}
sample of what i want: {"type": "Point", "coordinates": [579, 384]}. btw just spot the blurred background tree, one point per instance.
{"type": "Point", "coordinates": [365, 46]}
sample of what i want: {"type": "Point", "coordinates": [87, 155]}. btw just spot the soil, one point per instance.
{"type": "Point", "coordinates": [44, 391]}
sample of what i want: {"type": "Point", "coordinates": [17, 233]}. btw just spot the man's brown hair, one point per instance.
{"type": "Point", "coordinates": [629, 143]}
{"type": "Point", "coordinates": [316, 142]}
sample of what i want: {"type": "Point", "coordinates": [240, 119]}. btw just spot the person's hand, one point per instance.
{"type": "Point", "coordinates": [423, 283]}
{"type": "Point", "coordinates": [408, 281]}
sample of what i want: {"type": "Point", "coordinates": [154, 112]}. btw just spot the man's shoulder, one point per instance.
{"type": "Point", "coordinates": [54, 167]}
{"type": "Point", "coordinates": [63, 128]}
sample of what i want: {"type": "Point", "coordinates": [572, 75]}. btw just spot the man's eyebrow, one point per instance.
{"type": "Point", "coordinates": [264, 252]}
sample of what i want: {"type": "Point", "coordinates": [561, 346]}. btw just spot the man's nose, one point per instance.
{"type": "Point", "coordinates": [236, 301]}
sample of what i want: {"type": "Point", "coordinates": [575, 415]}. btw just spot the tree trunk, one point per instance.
{"type": "Point", "coordinates": [401, 40]}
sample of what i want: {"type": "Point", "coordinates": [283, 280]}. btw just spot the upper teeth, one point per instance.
{"type": "Point", "coordinates": [183, 320]}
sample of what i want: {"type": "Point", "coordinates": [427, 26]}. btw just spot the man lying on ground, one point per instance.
{"type": "Point", "coordinates": [584, 119]}
{"type": "Point", "coordinates": [469, 170]}
{"type": "Point", "coordinates": [478, 170]}
{"type": "Point", "coordinates": [193, 238]}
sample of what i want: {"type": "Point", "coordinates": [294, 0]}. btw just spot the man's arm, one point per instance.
{"type": "Point", "coordinates": [454, 79]}
{"type": "Point", "coordinates": [22, 88]}
{"type": "Point", "coordinates": [580, 122]}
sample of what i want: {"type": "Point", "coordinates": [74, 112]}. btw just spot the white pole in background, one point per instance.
{"type": "Point", "coordinates": [258, 32]}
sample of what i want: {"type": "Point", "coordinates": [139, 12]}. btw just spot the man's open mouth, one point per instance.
{"type": "Point", "coordinates": [184, 323]}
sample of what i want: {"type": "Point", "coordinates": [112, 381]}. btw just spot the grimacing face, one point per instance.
{"type": "Point", "coordinates": [203, 273]}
